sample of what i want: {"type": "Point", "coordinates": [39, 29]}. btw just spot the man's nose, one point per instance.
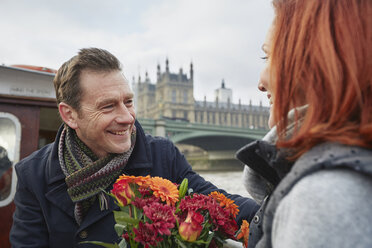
{"type": "Point", "coordinates": [124, 115]}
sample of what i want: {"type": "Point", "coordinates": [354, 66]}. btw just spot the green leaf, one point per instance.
{"type": "Point", "coordinates": [180, 243]}
{"type": "Point", "coordinates": [183, 188]}
{"type": "Point", "coordinates": [218, 239]}
{"type": "Point", "coordinates": [209, 239]}
{"type": "Point", "coordinates": [139, 212]}
{"type": "Point", "coordinates": [107, 245]}
{"type": "Point", "coordinates": [134, 187]}
{"type": "Point", "coordinates": [119, 228]}
{"type": "Point", "coordinates": [125, 209]}
{"type": "Point", "coordinates": [123, 244]}
{"type": "Point", "coordinates": [124, 218]}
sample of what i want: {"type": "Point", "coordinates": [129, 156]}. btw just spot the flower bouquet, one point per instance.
{"type": "Point", "coordinates": [154, 212]}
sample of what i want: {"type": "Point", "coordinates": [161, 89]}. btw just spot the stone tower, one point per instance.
{"type": "Point", "coordinates": [174, 94]}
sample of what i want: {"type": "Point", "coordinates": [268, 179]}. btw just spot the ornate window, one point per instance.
{"type": "Point", "coordinates": [185, 98]}
{"type": "Point", "coordinates": [174, 96]}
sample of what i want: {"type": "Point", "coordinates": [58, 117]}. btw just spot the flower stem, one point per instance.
{"type": "Point", "coordinates": [135, 212]}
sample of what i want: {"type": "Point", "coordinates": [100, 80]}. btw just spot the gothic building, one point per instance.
{"type": "Point", "coordinates": [172, 97]}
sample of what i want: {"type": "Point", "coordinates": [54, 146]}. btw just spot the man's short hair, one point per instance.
{"type": "Point", "coordinates": [67, 80]}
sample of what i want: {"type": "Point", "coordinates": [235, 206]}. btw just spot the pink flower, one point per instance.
{"type": "Point", "coordinates": [222, 221]}
{"type": "Point", "coordinates": [196, 202]}
{"type": "Point", "coordinates": [191, 228]}
{"type": "Point", "coordinates": [146, 235]}
{"type": "Point", "coordinates": [145, 191]}
{"type": "Point", "coordinates": [162, 217]}
{"type": "Point", "coordinates": [125, 236]}
{"type": "Point", "coordinates": [219, 216]}
{"type": "Point", "coordinates": [141, 202]}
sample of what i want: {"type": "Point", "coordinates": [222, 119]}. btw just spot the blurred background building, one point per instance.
{"type": "Point", "coordinates": [172, 97]}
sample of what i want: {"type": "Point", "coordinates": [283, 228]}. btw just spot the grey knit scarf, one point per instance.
{"type": "Point", "coordinates": [86, 174]}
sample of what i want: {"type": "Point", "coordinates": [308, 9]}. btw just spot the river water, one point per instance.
{"type": "Point", "coordinates": [231, 181]}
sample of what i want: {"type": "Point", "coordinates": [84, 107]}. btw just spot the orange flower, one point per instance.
{"type": "Point", "coordinates": [165, 190]}
{"type": "Point", "coordinates": [225, 202]}
{"type": "Point", "coordinates": [133, 179]}
{"type": "Point", "coordinates": [244, 233]}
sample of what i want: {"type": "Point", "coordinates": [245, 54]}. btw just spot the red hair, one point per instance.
{"type": "Point", "coordinates": [322, 56]}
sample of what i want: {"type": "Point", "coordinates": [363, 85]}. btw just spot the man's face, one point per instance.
{"type": "Point", "coordinates": [106, 117]}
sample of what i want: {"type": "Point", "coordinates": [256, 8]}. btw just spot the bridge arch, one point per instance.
{"type": "Point", "coordinates": [213, 141]}
{"type": "Point", "coordinates": [190, 135]}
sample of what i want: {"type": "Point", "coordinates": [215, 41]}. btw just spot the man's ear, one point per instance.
{"type": "Point", "coordinates": [68, 115]}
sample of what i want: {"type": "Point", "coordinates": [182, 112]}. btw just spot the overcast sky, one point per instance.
{"type": "Point", "coordinates": [222, 38]}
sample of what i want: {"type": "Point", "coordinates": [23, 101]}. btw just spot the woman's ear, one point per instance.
{"type": "Point", "coordinates": [68, 115]}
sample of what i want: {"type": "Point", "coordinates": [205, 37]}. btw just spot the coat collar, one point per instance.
{"type": "Point", "coordinates": [57, 188]}
{"type": "Point", "coordinates": [258, 155]}
{"type": "Point", "coordinates": [141, 156]}
{"type": "Point", "coordinates": [264, 158]}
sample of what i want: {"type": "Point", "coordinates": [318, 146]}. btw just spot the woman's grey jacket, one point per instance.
{"type": "Point", "coordinates": [315, 201]}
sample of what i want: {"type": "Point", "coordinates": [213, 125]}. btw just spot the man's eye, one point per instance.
{"type": "Point", "coordinates": [108, 106]}
{"type": "Point", "coordinates": [129, 102]}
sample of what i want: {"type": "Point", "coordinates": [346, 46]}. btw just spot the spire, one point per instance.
{"type": "Point", "coordinates": [191, 72]}
{"type": "Point", "coordinates": [147, 77]}
{"type": "Point", "coordinates": [167, 65]}
{"type": "Point", "coordinates": [134, 86]}
{"type": "Point", "coordinates": [180, 75]}
{"type": "Point", "coordinates": [158, 72]}
{"type": "Point", "coordinates": [223, 84]}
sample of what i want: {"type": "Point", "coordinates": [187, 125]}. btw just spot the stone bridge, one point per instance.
{"type": "Point", "coordinates": [220, 142]}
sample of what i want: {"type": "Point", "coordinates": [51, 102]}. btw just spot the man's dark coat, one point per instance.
{"type": "Point", "coordinates": [44, 215]}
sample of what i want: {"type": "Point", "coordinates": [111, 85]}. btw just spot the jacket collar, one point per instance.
{"type": "Point", "coordinates": [53, 167]}
{"type": "Point", "coordinates": [141, 156]}
{"type": "Point", "coordinates": [57, 188]}
{"type": "Point", "coordinates": [266, 160]}
{"type": "Point", "coordinates": [259, 156]}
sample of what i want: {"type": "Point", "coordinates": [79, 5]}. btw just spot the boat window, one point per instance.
{"type": "Point", "coordinates": [10, 136]}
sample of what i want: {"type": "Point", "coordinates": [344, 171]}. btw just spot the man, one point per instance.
{"type": "Point", "coordinates": [59, 199]}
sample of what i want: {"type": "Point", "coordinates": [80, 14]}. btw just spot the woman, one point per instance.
{"type": "Point", "coordinates": [315, 167]}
